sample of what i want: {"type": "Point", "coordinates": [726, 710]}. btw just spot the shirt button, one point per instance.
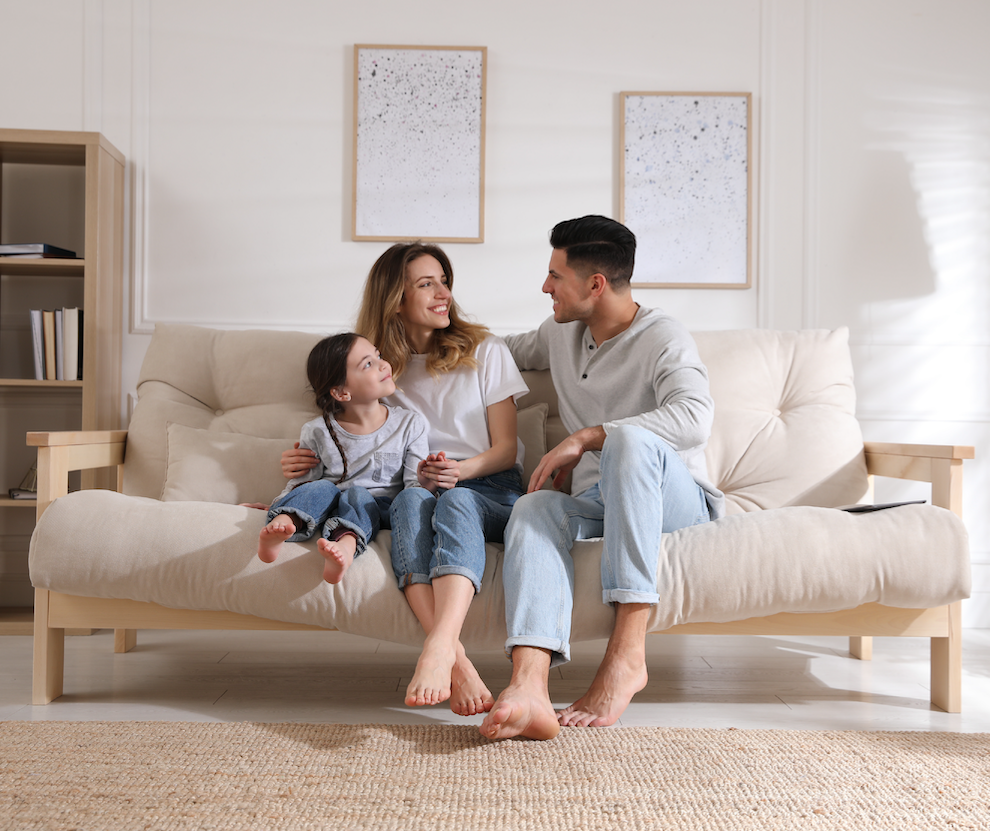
{"type": "Point", "coordinates": [585, 375]}
{"type": "Point", "coordinates": [591, 346]}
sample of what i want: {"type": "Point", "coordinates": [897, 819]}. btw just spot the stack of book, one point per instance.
{"type": "Point", "coordinates": [58, 345]}
{"type": "Point", "coordinates": [35, 250]}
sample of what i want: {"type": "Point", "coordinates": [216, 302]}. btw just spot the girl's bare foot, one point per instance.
{"type": "Point", "coordinates": [468, 694]}
{"type": "Point", "coordinates": [339, 555]}
{"type": "Point", "coordinates": [431, 680]}
{"type": "Point", "coordinates": [273, 535]}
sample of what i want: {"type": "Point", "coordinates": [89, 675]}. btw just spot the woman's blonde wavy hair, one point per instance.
{"type": "Point", "coordinates": [379, 320]}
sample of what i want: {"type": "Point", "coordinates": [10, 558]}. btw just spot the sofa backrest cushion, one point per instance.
{"type": "Point", "coordinates": [785, 431]}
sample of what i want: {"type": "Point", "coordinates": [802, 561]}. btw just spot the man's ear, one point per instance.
{"type": "Point", "coordinates": [599, 282]}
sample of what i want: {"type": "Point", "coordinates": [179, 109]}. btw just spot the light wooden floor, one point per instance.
{"type": "Point", "coordinates": [695, 681]}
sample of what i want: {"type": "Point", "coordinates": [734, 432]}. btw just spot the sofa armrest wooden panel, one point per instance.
{"type": "Point", "coordinates": [939, 465]}
{"type": "Point", "coordinates": [62, 452]}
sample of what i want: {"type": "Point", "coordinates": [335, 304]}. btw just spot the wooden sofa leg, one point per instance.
{"type": "Point", "coordinates": [947, 664]}
{"type": "Point", "coordinates": [49, 653]}
{"type": "Point", "coordinates": [124, 640]}
{"type": "Point", "coordinates": [861, 647]}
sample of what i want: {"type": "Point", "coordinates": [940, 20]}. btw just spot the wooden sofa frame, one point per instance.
{"type": "Point", "coordinates": [54, 612]}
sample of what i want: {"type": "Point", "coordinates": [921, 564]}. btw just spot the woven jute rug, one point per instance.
{"type": "Point", "coordinates": [164, 775]}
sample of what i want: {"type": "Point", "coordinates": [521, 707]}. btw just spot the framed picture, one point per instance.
{"type": "Point", "coordinates": [419, 143]}
{"type": "Point", "coordinates": [685, 188]}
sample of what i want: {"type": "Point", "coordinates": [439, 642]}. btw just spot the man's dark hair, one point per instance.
{"type": "Point", "coordinates": [597, 244]}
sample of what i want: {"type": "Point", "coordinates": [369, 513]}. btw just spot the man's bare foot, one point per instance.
{"type": "Point", "coordinates": [431, 681]}
{"type": "Point", "coordinates": [273, 535]}
{"type": "Point", "coordinates": [521, 711]}
{"type": "Point", "coordinates": [468, 694]}
{"type": "Point", "coordinates": [618, 679]}
{"type": "Point", "coordinates": [339, 555]}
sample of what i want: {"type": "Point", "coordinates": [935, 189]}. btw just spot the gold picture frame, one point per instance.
{"type": "Point", "coordinates": [686, 187]}
{"type": "Point", "coordinates": [419, 143]}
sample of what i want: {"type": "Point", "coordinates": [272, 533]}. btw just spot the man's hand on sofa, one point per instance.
{"type": "Point", "coordinates": [564, 457]}
{"type": "Point", "coordinates": [297, 461]}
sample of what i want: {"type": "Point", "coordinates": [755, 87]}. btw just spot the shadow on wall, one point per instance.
{"type": "Point", "coordinates": [887, 233]}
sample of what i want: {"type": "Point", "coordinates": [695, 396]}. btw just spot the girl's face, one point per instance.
{"type": "Point", "coordinates": [425, 303]}
{"type": "Point", "coordinates": [369, 376]}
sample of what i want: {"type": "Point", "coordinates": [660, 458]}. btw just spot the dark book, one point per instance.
{"type": "Point", "coordinates": [881, 506]}
{"type": "Point", "coordinates": [35, 249]}
{"type": "Point", "coordinates": [29, 486]}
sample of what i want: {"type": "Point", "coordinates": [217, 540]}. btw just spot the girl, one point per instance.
{"type": "Point", "coordinates": [365, 451]}
{"type": "Point", "coordinates": [464, 381]}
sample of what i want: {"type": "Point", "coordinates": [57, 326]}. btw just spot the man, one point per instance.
{"type": "Point", "coordinates": [634, 395]}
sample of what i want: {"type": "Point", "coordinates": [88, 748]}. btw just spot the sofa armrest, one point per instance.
{"type": "Point", "coordinates": [938, 464]}
{"type": "Point", "coordinates": [59, 453]}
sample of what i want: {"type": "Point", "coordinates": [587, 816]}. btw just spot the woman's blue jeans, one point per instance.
{"type": "Point", "coordinates": [645, 490]}
{"type": "Point", "coordinates": [435, 535]}
{"type": "Point", "coordinates": [322, 505]}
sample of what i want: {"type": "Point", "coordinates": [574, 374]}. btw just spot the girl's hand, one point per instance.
{"type": "Point", "coordinates": [297, 461]}
{"type": "Point", "coordinates": [436, 471]}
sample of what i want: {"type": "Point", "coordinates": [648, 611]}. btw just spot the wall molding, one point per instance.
{"type": "Point", "coordinates": [812, 163]}
{"type": "Point", "coordinates": [92, 75]}
{"type": "Point", "coordinates": [140, 159]}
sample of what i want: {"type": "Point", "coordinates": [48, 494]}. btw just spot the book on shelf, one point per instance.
{"type": "Point", "coordinates": [70, 333]}
{"type": "Point", "coordinates": [57, 344]}
{"type": "Point", "coordinates": [39, 250]}
{"type": "Point", "coordinates": [38, 344]}
{"type": "Point", "coordinates": [28, 488]}
{"type": "Point", "coordinates": [48, 322]}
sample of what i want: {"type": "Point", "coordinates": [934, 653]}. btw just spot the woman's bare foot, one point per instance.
{"type": "Point", "coordinates": [431, 681]}
{"type": "Point", "coordinates": [339, 555]}
{"type": "Point", "coordinates": [618, 679]}
{"type": "Point", "coordinates": [273, 535]}
{"type": "Point", "coordinates": [468, 694]}
{"type": "Point", "coordinates": [521, 711]}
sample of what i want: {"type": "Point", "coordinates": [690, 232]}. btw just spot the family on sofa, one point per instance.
{"type": "Point", "coordinates": [439, 462]}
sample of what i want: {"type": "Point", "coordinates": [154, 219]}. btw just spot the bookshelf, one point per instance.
{"type": "Point", "coordinates": [94, 201]}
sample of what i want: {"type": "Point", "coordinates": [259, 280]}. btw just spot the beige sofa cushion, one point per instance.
{"type": "Point", "coordinates": [196, 555]}
{"type": "Point", "coordinates": [210, 466]}
{"type": "Point", "coordinates": [785, 430]}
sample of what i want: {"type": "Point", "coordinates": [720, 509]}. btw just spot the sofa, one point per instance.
{"type": "Point", "coordinates": [169, 546]}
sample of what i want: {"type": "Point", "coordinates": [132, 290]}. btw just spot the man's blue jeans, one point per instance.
{"type": "Point", "coordinates": [435, 535]}
{"type": "Point", "coordinates": [645, 490]}
{"type": "Point", "coordinates": [322, 506]}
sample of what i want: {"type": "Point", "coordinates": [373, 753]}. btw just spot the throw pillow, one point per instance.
{"type": "Point", "coordinates": [213, 466]}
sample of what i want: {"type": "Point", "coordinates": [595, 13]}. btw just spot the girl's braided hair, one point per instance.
{"type": "Point", "coordinates": [326, 369]}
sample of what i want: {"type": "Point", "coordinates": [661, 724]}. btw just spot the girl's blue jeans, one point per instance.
{"type": "Point", "coordinates": [645, 490]}
{"type": "Point", "coordinates": [435, 535]}
{"type": "Point", "coordinates": [322, 506]}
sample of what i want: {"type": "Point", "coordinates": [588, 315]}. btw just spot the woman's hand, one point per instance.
{"type": "Point", "coordinates": [437, 472]}
{"type": "Point", "coordinates": [297, 461]}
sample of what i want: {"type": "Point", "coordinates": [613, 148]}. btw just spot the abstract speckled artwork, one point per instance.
{"type": "Point", "coordinates": [685, 187]}
{"type": "Point", "coordinates": [419, 147]}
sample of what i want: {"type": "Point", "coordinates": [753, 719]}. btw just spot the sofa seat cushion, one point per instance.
{"type": "Point", "coordinates": [203, 556]}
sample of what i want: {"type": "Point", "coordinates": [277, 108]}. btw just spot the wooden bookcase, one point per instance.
{"type": "Point", "coordinates": [98, 270]}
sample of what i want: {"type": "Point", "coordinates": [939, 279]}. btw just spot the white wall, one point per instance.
{"type": "Point", "coordinates": [872, 169]}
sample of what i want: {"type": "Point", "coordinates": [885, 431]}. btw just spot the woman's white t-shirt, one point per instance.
{"type": "Point", "coordinates": [455, 404]}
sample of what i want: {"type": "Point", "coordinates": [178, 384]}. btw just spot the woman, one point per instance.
{"type": "Point", "coordinates": [464, 382]}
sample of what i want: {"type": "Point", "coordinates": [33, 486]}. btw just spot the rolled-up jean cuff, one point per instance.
{"type": "Point", "coordinates": [443, 571]}
{"type": "Point", "coordinates": [629, 596]}
{"type": "Point", "coordinates": [413, 580]}
{"type": "Point", "coordinates": [335, 527]}
{"type": "Point", "coordinates": [299, 516]}
{"type": "Point", "coordinates": [560, 653]}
